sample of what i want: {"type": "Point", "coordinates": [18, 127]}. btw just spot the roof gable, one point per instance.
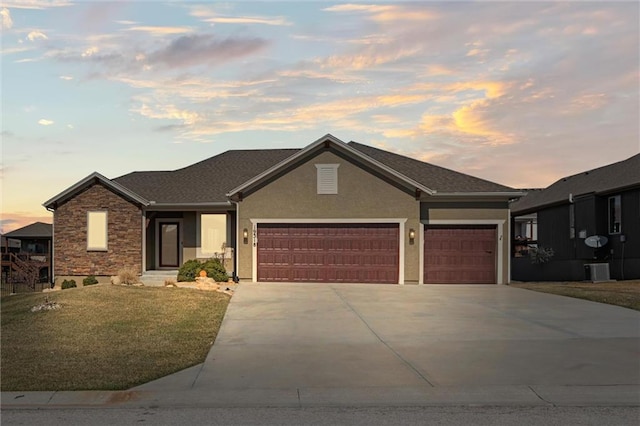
{"type": "Point", "coordinates": [325, 143]}
{"type": "Point", "coordinates": [606, 179]}
{"type": "Point", "coordinates": [90, 180]}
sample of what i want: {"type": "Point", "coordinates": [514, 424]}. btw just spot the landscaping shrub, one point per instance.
{"type": "Point", "coordinates": [68, 284]}
{"type": "Point", "coordinates": [127, 276]}
{"type": "Point", "coordinates": [189, 270]}
{"type": "Point", "coordinates": [215, 270]}
{"type": "Point", "coordinates": [213, 267]}
{"type": "Point", "coordinates": [90, 280]}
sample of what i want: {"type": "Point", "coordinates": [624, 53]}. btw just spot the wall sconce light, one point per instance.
{"type": "Point", "coordinates": [245, 235]}
{"type": "Point", "coordinates": [412, 235]}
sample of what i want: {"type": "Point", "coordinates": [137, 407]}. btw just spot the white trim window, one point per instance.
{"type": "Point", "coordinates": [615, 215]}
{"type": "Point", "coordinates": [97, 232]}
{"type": "Point", "coordinates": [327, 178]}
{"type": "Point", "coordinates": [213, 234]}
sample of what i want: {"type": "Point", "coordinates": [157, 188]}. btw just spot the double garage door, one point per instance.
{"type": "Point", "coordinates": [370, 253]}
{"type": "Point", "coordinates": [349, 253]}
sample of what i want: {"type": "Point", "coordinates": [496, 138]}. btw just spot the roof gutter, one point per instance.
{"type": "Point", "coordinates": [510, 194]}
{"type": "Point", "coordinates": [182, 206]}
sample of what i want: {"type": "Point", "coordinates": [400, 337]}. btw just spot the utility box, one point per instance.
{"type": "Point", "coordinates": [596, 272]}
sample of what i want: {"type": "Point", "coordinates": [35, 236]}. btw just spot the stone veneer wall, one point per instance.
{"type": "Point", "coordinates": [124, 240]}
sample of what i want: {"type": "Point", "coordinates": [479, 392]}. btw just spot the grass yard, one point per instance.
{"type": "Point", "coordinates": [105, 337]}
{"type": "Point", "coordinates": [620, 293]}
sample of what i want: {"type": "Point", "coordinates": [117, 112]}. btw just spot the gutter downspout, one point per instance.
{"type": "Point", "coordinates": [236, 278]}
{"type": "Point", "coordinates": [52, 278]}
{"type": "Point", "coordinates": [144, 242]}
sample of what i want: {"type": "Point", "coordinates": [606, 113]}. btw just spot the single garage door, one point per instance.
{"type": "Point", "coordinates": [349, 253]}
{"type": "Point", "coordinates": [460, 254]}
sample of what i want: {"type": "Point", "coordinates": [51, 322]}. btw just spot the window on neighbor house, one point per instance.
{"type": "Point", "coordinates": [213, 233]}
{"type": "Point", "coordinates": [327, 178]}
{"type": "Point", "coordinates": [572, 221]}
{"type": "Point", "coordinates": [97, 230]}
{"type": "Point", "coordinates": [615, 215]}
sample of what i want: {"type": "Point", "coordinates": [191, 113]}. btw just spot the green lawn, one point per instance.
{"type": "Point", "coordinates": [105, 337]}
{"type": "Point", "coordinates": [620, 293]}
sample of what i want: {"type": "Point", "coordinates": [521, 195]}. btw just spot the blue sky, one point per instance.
{"type": "Point", "coordinates": [521, 93]}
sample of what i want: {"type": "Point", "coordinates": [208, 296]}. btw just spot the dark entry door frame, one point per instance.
{"type": "Point", "coordinates": [168, 243]}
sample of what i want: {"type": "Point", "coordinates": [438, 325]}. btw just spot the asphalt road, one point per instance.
{"type": "Point", "coordinates": [494, 416]}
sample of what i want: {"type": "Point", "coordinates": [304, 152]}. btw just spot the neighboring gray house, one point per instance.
{"type": "Point", "coordinates": [600, 202]}
{"type": "Point", "coordinates": [330, 212]}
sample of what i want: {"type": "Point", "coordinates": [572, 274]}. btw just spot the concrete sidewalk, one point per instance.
{"type": "Point", "coordinates": [610, 396]}
{"type": "Point", "coordinates": [344, 345]}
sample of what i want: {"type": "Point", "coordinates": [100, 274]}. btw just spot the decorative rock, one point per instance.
{"type": "Point", "coordinates": [115, 280]}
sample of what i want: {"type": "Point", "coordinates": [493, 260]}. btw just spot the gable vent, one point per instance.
{"type": "Point", "coordinates": [327, 178]}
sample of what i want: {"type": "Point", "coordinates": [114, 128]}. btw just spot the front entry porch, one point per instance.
{"type": "Point", "coordinates": [173, 237]}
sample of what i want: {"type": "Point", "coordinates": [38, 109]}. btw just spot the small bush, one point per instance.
{"type": "Point", "coordinates": [90, 280]}
{"type": "Point", "coordinates": [213, 267]}
{"type": "Point", "coordinates": [215, 270]}
{"type": "Point", "coordinates": [189, 270]}
{"type": "Point", "coordinates": [127, 276]}
{"type": "Point", "coordinates": [540, 255]}
{"type": "Point", "coordinates": [68, 284]}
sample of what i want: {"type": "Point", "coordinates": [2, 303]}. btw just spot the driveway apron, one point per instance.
{"type": "Point", "coordinates": [293, 336]}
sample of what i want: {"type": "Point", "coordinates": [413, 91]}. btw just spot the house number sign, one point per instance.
{"type": "Point", "coordinates": [255, 235]}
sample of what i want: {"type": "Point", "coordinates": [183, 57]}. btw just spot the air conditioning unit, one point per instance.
{"type": "Point", "coordinates": [597, 272]}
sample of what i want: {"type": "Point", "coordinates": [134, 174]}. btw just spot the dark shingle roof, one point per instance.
{"type": "Point", "coordinates": [207, 181]}
{"type": "Point", "coordinates": [607, 179]}
{"type": "Point", "coordinates": [210, 180]}
{"type": "Point", "coordinates": [35, 230]}
{"type": "Point", "coordinates": [429, 175]}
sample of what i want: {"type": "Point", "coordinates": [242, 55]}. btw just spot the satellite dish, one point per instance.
{"type": "Point", "coordinates": [596, 241]}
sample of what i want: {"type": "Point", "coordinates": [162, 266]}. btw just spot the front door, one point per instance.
{"type": "Point", "coordinates": [169, 244]}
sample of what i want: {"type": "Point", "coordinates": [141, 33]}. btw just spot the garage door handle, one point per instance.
{"type": "Point", "coordinates": [488, 251]}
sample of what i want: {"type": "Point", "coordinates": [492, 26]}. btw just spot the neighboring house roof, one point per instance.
{"type": "Point", "coordinates": [35, 230]}
{"type": "Point", "coordinates": [214, 180]}
{"type": "Point", "coordinates": [607, 179]}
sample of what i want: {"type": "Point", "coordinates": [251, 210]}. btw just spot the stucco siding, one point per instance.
{"type": "Point", "coordinates": [360, 196]}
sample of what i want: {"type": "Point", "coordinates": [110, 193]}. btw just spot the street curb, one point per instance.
{"type": "Point", "coordinates": [535, 395]}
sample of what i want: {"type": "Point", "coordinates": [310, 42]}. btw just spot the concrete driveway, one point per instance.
{"type": "Point", "coordinates": [325, 342]}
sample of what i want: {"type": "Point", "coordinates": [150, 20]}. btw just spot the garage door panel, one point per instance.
{"type": "Point", "coordinates": [460, 254]}
{"type": "Point", "coordinates": [329, 252]}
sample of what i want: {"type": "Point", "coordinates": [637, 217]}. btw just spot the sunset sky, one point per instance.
{"type": "Point", "coordinates": [520, 93]}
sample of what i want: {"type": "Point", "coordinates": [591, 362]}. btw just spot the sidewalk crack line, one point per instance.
{"type": "Point", "coordinates": [541, 398]}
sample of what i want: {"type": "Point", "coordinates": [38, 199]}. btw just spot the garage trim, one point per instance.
{"type": "Point", "coordinates": [499, 227]}
{"type": "Point", "coordinates": [399, 221]}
